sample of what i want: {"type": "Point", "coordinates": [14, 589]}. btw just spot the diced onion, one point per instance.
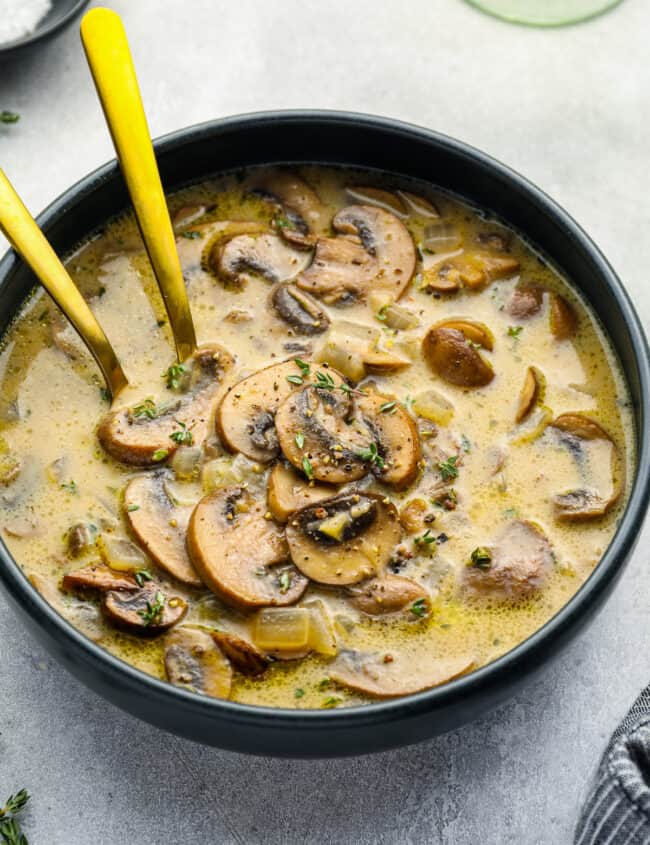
{"type": "Point", "coordinates": [186, 462]}
{"type": "Point", "coordinates": [120, 553]}
{"type": "Point", "coordinates": [284, 629]}
{"type": "Point", "coordinates": [441, 237]}
{"type": "Point", "coordinates": [433, 406]}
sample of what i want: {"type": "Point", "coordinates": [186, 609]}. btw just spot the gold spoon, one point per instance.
{"type": "Point", "coordinates": [111, 65]}
{"type": "Point", "coordinates": [26, 238]}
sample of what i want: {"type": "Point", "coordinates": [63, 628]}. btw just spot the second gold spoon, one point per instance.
{"type": "Point", "coordinates": [111, 65]}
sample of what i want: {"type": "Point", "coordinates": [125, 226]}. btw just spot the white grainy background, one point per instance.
{"type": "Point", "coordinates": [568, 108]}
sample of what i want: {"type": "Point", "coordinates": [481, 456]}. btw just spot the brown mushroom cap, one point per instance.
{"type": "Point", "coordinates": [160, 526]}
{"type": "Point", "coordinates": [403, 674]}
{"type": "Point", "coordinates": [265, 255]}
{"type": "Point", "coordinates": [519, 562]}
{"type": "Point", "coordinates": [193, 661]}
{"type": "Point", "coordinates": [301, 205]}
{"type": "Point", "coordinates": [313, 424]}
{"type": "Point", "coordinates": [373, 252]}
{"type": "Point", "coordinates": [100, 577]}
{"type": "Point", "coordinates": [345, 539]}
{"type": "Point", "coordinates": [396, 436]}
{"type": "Point", "coordinates": [449, 354]}
{"type": "Point", "coordinates": [531, 393]}
{"type": "Point", "coordinates": [245, 415]}
{"type": "Point", "coordinates": [243, 655]}
{"type": "Point", "coordinates": [300, 310]}
{"type": "Point", "coordinates": [141, 440]}
{"type": "Point", "coordinates": [135, 610]}
{"type": "Point", "coordinates": [585, 503]}
{"type": "Point", "coordinates": [563, 318]}
{"type": "Point", "coordinates": [477, 333]}
{"type": "Point", "coordinates": [387, 594]}
{"type": "Point", "coordinates": [237, 552]}
{"type": "Point", "coordinates": [288, 492]}
{"type": "Point", "coordinates": [525, 301]}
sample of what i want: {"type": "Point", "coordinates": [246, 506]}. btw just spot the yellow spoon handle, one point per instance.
{"type": "Point", "coordinates": [111, 65]}
{"type": "Point", "coordinates": [26, 238]}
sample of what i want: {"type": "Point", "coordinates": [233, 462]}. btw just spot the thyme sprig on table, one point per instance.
{"type": "Point", "coordinates": [10, 830]}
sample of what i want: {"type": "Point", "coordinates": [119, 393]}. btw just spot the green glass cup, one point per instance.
{"type": "Point", "coordinates": [545, 12]}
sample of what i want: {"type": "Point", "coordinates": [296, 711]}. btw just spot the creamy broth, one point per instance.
{"type": "Point", "coordinates": [487, 486]}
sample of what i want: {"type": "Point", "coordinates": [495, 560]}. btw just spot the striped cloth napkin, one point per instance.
{"type": "Point", "coordinates": [617, 810]}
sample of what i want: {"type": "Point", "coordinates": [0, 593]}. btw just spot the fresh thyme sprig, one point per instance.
{"type": "Point", "coordinates": [153, 611]}
{"type": "Point", "coordinates": [10, 831]}
{"type": "Point", "coordinates": [173, 376]}
{"type": "Point", "coordinates": [372, 456]}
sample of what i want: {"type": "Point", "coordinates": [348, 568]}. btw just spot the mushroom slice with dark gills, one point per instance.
{"type": "Point", "coordinates": [160, 526]}
{"type": "Point", "coordinates": [301, 311]}
{"type": "Point", "coordinates": [395, 435]}
{"type": "Point", "coordinates": [373, 252]}
{"type": "Point", "coordinates": [288, 492]}
{"type": "Point", "coordinates": [143, 433]}
{"type": "Point", "coordinates": [148, 610]}
{"type": "Point", "coordinates": [514, 567]}
{"type": "Point", "coordinates": [245, 417]}
{"type": "Point", "coordinates": [344, 540]}
{"type": "Point", "coordinates": [240, 555]}
{"type": "Point", "coordinates": [302, 213]}
{"type": "Point", "coordinates": [264, 255]}
{"type": "Point", "coordinates": [390, 594]}
{"type": "Point", "coordinates": [318, 436]}
{"type": "Point", "coordinates": [199, 242]}
{"type": "Point", "coordinates": [454, 357]}
{"type": "Point", "coordinates": [593, 450]}
{"type": "Point", "coordinates": [98, 576]}
{"type": "Point", "coordinates": [382, 675]}
{"type": "Point", "coordinates": [243, 655]}
{"type": "Point", "coordinates": [195, 662]}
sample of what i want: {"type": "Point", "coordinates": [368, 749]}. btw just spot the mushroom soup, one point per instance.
{"type": "Point", "coordinates": [400, 449]}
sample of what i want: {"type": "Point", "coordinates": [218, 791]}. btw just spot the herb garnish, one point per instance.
{"type": "Point", "coordinates": [324, 381]}
{"type": "Point", "coordinates": [282, 222]}
{"type": "Point", "coordinates": [325, 683]}
{"type": "Point", "coordinates": [70, 486]}
{"type": "Point", "coordinates": [448, 468]}
{"type": "Point", "coordinates": [132, 508]}
{"type": "Point", "coordinates": [300, 440]}
{"type": "Point", "coordinates": [154, 611]}
{"type": "Point", "coordinates": [389, 407]}
{"type": "Point", "coordinates": [419, 608]}
{"type": "Point", "coordinates": [515, 331]}
{"type": "Point", "coordinates": [192, 235]}
{"type": "Point", "coordinates": [9, 117]}
{"type": "Point", "coordinates": [146, 409]}
{"type": "Point", "coordinates": [303, 366]}
{"type": "Point", "coordinates": [285, 581]}
{"type": "Point", "coordinates": [173, 376]}
{"type": "Point", "coordinates": [160, 455]}
{"type": "Point", "coordinates": [425, 540]}
{"type": "Point", "coordinates": [184, 436]}
{"type": "Point", "coordinates": [481, 558]}
{"type": "Point", "coordinates": [466, 443]}
{"type": "Point", "coordinates": [298, 692]}
{"type": "Point", "coordinates": [105, 394]}
{"type": "Point", "coordinates": [308, 468]}
{"type": "Point", "coordinates": [141, 576]}
{"type": "Point", "coordinates": [372, 456]}
{"type": "Point", "coordinates": [294, 379]}
{"type": "Point", "coordinates": [10, 830]}
{"type": "Point", "coordinates": [381, 314]}
{"type": "Point", "coordinates": [331, 701]}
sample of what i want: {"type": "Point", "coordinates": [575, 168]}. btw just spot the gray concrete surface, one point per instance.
{"type": "Point", "coordinates": [569, 109]}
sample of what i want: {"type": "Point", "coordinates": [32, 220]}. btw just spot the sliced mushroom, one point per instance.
{"type": "Point", "coordinates": [264, 255]}
{"type": "Point", "coordinates": [81, 538]}
{"type": "Point", "coordinates": [476, 333]}
{"type": "Point", "coordinates": [244, 656]}
{"type": "Point", "coordinates": [450, 355]}
{"type": "Point", "coordinates": [246, 415]}
{"type": "Point", "coordinates": [586, 503]}
{"type": "Point", "coordinates": [498, 241]}
{"type": "Point", "coordinates": [395, 435]}
{"type": "Point", "coordinates": [378, 197]}
{"type": "Point", "coordinates": [376, 252]}
{"type": "Point", "coordinates": [315, 435]}
{"type": "Point", "coordinates": [525, 301]}
{"type": "Point", "coordinates": [514, 567]}
{"type": "Point", "coordinates": [141, 434]}
{"type": "Point", "coordinates": [389, 594]}
{"type": "Point", "coordinates": [300, 310]}
{"type": "Point", "coordinates": [472, 270]}
{"type": "Point", "coordinates": [531, 393]}
{"type": "Point", "coordinates": [303, 212]}
{"type": "Point", "coordinates": [100, 577]}
{"type": "Point", "coordinates": [160, 526]}
{"type": "Point", "coordinates": [390, 675]}
{"type": "Point", "coordinates": [563, 318]}
{"type": "Point", "coordinates": [344, 540]}
{"type": "Point", "coordinates": [240, 555]}
{"type": "Point", "coordinates": [193, 661]}
{"type": "Point", "coordinates": [147, 610]}
{"type": "Point", "coordinates": [197, 245]}
{"type": "Point", "coordinates": [288, 492]}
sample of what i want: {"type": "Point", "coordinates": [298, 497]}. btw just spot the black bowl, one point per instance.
{"type": "Point", "coordinates": [60, 15]}
{"type": "Point", "coordinates": [338, 138]}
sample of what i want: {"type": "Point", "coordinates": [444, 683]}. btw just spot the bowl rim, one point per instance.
{"type": "Point", "coordinates": [43, 32]}
{"type": "Point", "coordinates": [512, 663]}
